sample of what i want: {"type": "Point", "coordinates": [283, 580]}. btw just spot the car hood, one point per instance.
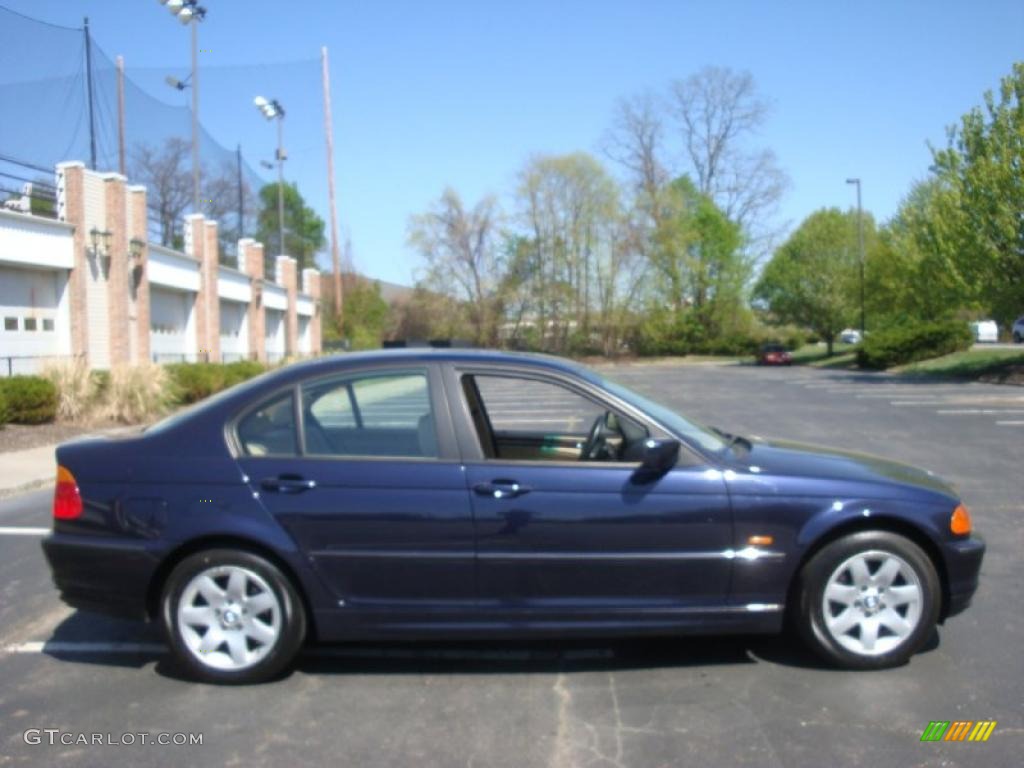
{"type": "Point", "coordinates": [783, 457]}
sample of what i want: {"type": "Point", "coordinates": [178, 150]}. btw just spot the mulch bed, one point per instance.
{"type": "Point", "coordinates": [1011, 375]}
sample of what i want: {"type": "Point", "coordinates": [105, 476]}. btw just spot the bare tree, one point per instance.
{"type": "Point", "coordinates": [167, 175]}
{"type": "Point", "coordinates": [636, 141]}
{"type": "Point", "coordinates": [717, 111]}
{"type": "Point", "coordinates": [462, 258]}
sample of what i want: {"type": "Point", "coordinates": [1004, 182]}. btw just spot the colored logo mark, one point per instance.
{"type": "Point", "coordinates": [958, 730]}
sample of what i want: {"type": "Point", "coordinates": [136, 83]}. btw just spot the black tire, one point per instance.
{"type": "Point", "coordinates": [815, 576]}
{"type": "Point", "coordinates": [276, 656]}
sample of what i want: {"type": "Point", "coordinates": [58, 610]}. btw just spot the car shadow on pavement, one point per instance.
{"type": "Point", "coordinates": [85, 638]}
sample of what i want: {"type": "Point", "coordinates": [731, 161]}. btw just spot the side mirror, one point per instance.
{"type": "Point", "coordinates": [659, 457]}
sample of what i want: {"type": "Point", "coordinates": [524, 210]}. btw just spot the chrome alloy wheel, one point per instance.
{"type": "Point", "coordinates": [228, 617]}
{"type": "Point", "coordinates": [872, 602]}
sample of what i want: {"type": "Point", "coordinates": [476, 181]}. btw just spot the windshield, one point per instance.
{"type": "Point", "coordinates": [696, 433]}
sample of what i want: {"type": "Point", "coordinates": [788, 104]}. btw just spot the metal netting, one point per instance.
{"type": "Point", "coordinates": [45, 119]}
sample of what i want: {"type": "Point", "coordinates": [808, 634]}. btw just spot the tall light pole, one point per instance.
{"type": "Point", "coordinates": [272, 110]}
{"type": "Point", "coordinates": [860, 247]}
{"type": "Point", "coordinates": [190, 13]}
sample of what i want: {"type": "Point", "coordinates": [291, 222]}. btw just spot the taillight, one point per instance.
{"type": "Point", "coordinates": [960, 521]}
{"type": "Point", "coordinates": [67, 501]}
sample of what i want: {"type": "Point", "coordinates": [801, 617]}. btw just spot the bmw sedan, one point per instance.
{"type": "Point", "coordinates": [455, 493]}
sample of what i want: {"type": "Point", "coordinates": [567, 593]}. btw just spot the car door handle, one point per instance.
{"type": "Point", "coordinates": [501, 489]}
{"type": "Point", "coordinates": [288, 484]}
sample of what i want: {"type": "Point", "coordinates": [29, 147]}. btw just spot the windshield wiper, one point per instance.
{"type": "Point", "coordinates": [734, 440]}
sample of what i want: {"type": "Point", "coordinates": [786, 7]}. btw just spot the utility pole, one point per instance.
{"type": "Point", "coordinates": [329, 132]}
{"type": "Point", "coordinates": [241, 194]}
{"type": "Point", "coordinates": [195, 115]}
{"type": "Point", "coordinates": [89, 90]}
{"type": "Point", "coordinates": [120, 116]}
{"type": "Point", "coordinates": [860, 248]}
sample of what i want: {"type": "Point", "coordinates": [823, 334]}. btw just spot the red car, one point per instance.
{"type": "Point", "coordinates": [774, 354]}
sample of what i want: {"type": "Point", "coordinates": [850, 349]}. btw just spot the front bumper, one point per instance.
{"type": "Point", "coordinates": [101, 574]}
{"type": "Point", "coordinates": [963, 564]}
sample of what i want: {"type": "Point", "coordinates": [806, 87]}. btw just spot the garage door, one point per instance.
{"type": "Point", "coordinates": [275, 329]}
{"type": "Point", "coordinates": [170, 313]}
{"type": "Point", "coordinates": [234, 331]}
{"type": "Point", "coordinates": [28, 313]}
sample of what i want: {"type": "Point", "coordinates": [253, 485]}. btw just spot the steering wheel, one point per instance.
{"type": "Point", "coordinates": [595, 440]}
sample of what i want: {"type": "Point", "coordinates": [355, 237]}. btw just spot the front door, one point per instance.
{"type": "Point", "coordinates": [564, 524]}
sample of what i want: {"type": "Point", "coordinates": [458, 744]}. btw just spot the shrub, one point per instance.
{"type": "Point", "coordinates": [76, 388]}
{"type": "Point", "coordinates": [4, 411]}
{"type": "Point", "coordinates": [910, 342]}
{"type": "Point", "coordinates": [30, 399]}
{"type": "Point", "coordinates": [195, 381]}
{"type": "Point", "coordinates": [138, 392]}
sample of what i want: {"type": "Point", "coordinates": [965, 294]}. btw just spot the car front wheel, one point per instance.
{"type": "Point", "coordinates": [232, 617]}
{"type": "Point", "coordinates": [869, 600]}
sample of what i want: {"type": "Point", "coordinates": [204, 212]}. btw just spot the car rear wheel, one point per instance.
{"type": "Point", "coordinates": [869, 600]}
{"type": "Point", "coordinates": [232, 617]}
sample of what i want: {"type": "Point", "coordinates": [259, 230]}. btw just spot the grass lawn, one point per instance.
{"type": "Point", "coordinates": [991, 364]}
{"type": "Point", "coordinates": [816, 355]}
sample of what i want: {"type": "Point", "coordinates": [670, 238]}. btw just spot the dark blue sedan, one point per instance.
{"type": "Point", "coordinates": [444, 493]}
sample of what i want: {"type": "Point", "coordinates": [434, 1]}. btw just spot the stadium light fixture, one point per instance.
{"type": "Point", "coordinates": [270, 109]}
{"type": "Point", "coordinates": [189, 13]}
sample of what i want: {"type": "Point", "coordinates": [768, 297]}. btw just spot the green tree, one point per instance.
{"type": "Point", "coordinates": [303, 227]}
{"type": "Point", "coordinates": [696, 252]}
{"type": "Point", "coordinates": [367, 316]}
{"type": "Point", "coordinates": [983, 168]}
{"type": "Point", "coordinates": [812, 279]}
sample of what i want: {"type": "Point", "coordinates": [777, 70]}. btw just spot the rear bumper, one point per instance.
{"type": "Point", "coordinates": [963, 564]}
{"type": "Point", "coordinates": [104, 575]}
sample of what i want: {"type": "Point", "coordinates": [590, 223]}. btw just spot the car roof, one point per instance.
{"type": "Point", "coordinates": [328, 363]}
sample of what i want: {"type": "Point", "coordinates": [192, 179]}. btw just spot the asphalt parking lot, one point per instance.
{"type": "Point", "coordinates": [671, 702]}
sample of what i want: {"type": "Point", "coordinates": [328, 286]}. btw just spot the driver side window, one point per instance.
{"type": "Point", "coordinates": [522, 419]}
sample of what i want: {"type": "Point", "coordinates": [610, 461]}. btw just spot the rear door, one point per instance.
{"type": "Point", "coordinates": [361, 468]}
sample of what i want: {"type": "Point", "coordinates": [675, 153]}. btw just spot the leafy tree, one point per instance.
{"type": "Point", "coordinates": [697, 254]}
{"type": "Point", "coordinates": [983, 170]}
{"type": "Point", "coordinates": [303, 227]}
{"type": "Point", "coordinates": [366, 316]}
{"type": "Point", "coordinates": [812, 279]}
{"type": "Point", "coordinates": [462, 257]}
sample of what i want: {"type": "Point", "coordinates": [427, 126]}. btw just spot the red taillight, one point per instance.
{"type": "Point", "coordinates": [67, 502]}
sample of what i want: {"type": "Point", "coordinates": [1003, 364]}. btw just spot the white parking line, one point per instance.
{"type": "Point", "coordinates": [978, 411]}
{"type": "Point", "coordinates": [1010, 423]}
{"type": "Point", "coordinates": [41, 646]}
{"type": "Point", "coordinates": [22, 530]}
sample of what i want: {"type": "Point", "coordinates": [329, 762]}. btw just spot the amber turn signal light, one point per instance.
{"type": "Point", "coordinates": [960, 522]}
{"type": "Point", "coordinates": [760, 541]}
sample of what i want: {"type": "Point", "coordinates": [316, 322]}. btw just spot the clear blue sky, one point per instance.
{"type": "Point", "coordinates": [461, 93]}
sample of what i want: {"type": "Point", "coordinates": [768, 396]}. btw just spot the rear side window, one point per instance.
{"type": "Point", "coordinates": [270, 429]}
{"type": "Point", "coordinates": [387, 415]}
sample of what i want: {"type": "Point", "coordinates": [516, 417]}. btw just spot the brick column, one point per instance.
{"type": "Point", "coordinates": [71, 208]}
{"type": "Point", "coordinates": [117, 278]}
{"type": "Point", "coordinates": [250, 258]}
{"type": "Point", "coordinates": [210, 269]}
{"type": "Point", "coordinates": [287, 279]}
{"type": "Point", "coordinates": [195, 244]}
{"type": "Point", "coordinates": [311, 285]}
{"type": "Point", "coordinates": [138, 230]}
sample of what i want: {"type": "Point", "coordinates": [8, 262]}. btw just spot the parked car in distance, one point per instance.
{"type": "Point", "coordinates": [985, 331]}
{"type": "Point", "coordinates": [774, 354]}
{"type": "Point", "coordinates": [1018, 330]}
{"type": "Point", "coordinates": [850, 336]}
{"type": "Point", "coordinates": [444, 493]}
